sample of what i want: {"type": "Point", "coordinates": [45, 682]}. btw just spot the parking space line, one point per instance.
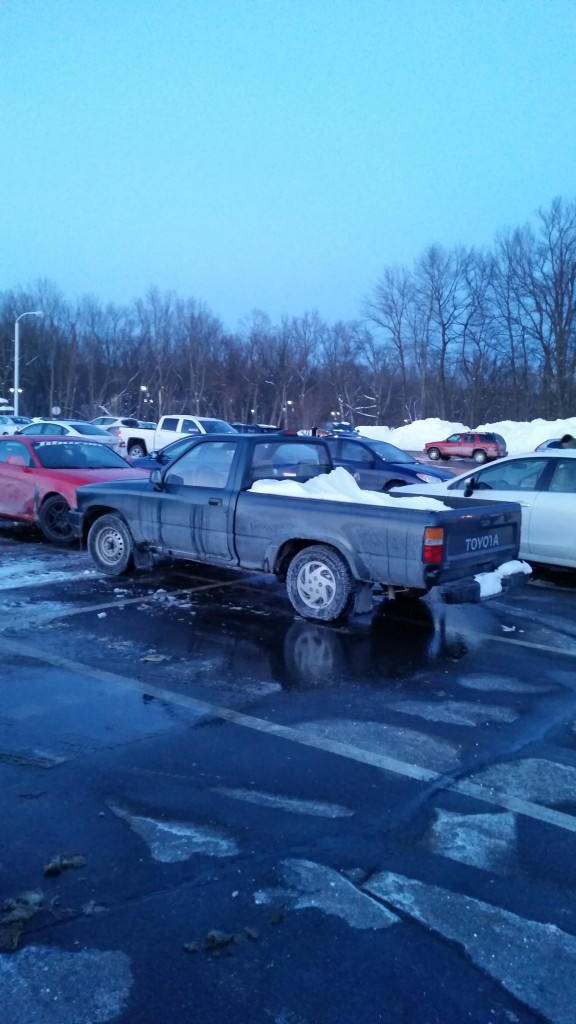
{"type": "Point", "coordinates": [547, 648]}
{"type": "Point", "coordinates": [300, 736]}
{"type": "Point", "coordinates": [121, 602]}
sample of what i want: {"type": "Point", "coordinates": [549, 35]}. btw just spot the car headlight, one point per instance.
{"type": "Point", "coordinates": [427, 478]}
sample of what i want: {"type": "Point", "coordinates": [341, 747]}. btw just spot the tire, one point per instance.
{"type": "Point", "coordinates": [137, 450]}
{"type": "Point", "coordinates": [480, 457]}
{"type": "Point", "coordinates": [319, 584]}
{"type": "Point", "coordinates": [434, 454]}
{"type": "Point", "coordinates": [53, 520]}
{"type": "Point", "coordinates": [394, 483]}
{"type": "Point", "coordinates": [111, 545]}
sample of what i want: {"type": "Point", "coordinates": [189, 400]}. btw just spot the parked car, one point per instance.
{"type": "Point", "coordinates": [10, 424]}
{"type": "Point", "coordinates": [341, 427]}
{"type": "Point", "coordinates": [73, 428]}
{"type": "Point", "coordinates": [106, 421]}
{"type": "Point", "coordinates": [255, 428]}
{"type": "Point", "coordinates": [213, 505]}
{"type": "Point", "coordinates": [552, 442]}
{"type": "Point", "coordinates": [468, 445]}
{"type": "Point", "coordinates": [544, 484]}
{"type": "Point", "coordinates": [39, 475]}
{"type": "Point", "coordinates": [378, 465]}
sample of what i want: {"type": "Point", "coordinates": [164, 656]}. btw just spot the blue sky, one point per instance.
{"type": "Point", "coordinates": [273, 154]}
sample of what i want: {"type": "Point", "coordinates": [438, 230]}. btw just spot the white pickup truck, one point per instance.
{"type": "Point", "coordinates": [141, 441]}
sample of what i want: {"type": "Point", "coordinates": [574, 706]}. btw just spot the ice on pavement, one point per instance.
{"type": "Point", "coordinates": [340, 485]}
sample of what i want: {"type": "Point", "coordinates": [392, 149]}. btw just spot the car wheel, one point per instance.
{"type": "Point", "coordinates": [319, 584]}
{"type": "Point", "coordinates": [111, 545]}
{"type": "Point", "coordinates": [53, 520]}
{"type": "Point", "coordinates": [394, 483]}
{"type": "Point", "coordinates": [434, 454]}
{"type": "Point", "coordinates": [479, 456]}
{"type": "Point", "coordinates": [136, 451]}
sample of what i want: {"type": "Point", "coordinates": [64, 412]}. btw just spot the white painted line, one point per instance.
{"type": "Point", "coordinates": [121, 602]}
{"type": "Point", "coordinates": [300, 736]}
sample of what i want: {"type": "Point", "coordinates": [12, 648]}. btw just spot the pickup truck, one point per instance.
{"type": "Point", "coordinates": [140, 441]}
{"type": "Point", "coordinates": [205, 506]}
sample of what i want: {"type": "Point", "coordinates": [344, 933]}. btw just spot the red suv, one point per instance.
{"type": "Point", "coordinates": [480, 447]}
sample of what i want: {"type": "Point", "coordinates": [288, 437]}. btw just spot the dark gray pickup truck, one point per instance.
{"type": "Point", "coordinates": [330, 553]}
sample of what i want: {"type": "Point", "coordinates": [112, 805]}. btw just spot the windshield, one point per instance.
{"type": "Point", "coordinates": [216, 427]}
{"type": "Point", "coordinates": [389, 452]}
{"type": "Point", "coordinates": [66, 454]}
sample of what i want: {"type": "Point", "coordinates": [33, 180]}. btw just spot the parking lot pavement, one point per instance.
{"type": "Point", "coordinates": [220, 812]}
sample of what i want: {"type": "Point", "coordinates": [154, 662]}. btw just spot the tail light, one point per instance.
{"type": "Point", "coordinates": [433, 551]}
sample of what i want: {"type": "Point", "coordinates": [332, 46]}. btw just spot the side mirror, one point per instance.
{"type": "Point", "coordinates": [156, 479]}
{"type": "Point", "coordinates": [15, 460]}
{"type": "Point", "coordinates": [469, 489]}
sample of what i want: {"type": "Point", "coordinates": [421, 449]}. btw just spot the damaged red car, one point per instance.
{"type": "Point", "coordinates": [39, 477]}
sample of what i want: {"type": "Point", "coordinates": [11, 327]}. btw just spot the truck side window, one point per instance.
{"type": "Point", "coordinates": [189, 427]}
{"type": "Point", "coordinates": [169, 423]}
{"type": "Point", "coordinates": [206, 465]}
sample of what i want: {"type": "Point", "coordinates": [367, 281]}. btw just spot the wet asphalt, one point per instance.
{"type": "Point", "coordinates": [215, 811]}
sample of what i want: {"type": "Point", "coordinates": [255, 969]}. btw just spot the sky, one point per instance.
{"type": "Point", "coordinates": [273, 155]}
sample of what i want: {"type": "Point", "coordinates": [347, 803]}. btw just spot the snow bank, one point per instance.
{"type": "Point", "coordinates": [519, 437]}
{"type": "Point", "coordinates": [339, 485]}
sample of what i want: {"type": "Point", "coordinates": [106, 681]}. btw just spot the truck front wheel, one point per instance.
{"type": "Point", "coordinates": [320, 584]}
{"type": "Point", "coordinates": [111, 545]}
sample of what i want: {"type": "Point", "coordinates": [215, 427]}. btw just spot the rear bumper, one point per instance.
{"type": "Point", "coordinates": [468, 591]}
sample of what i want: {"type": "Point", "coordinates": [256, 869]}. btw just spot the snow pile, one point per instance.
{"type": "Point", "coordinates": [340, 485]}
{"type": "Point", "coordinates": [519, 437]}
{"type": "Point", "coordinates": [491, 582]}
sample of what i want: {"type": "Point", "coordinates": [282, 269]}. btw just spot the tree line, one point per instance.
{"type": "Point", "coordinates": [465, 335]}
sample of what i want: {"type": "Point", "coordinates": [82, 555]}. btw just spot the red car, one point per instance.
{"type": "Point", "coordinates": [39, 476]}
{"type": "Point", "coordinates": [470, 445]}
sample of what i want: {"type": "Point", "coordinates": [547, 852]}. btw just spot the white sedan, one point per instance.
{"type": "Point", "coordinates": [543, 483]}
{"type": "Point", "coordinates": [74, 428]}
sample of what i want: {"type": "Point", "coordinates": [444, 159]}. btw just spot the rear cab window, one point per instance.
{"type": "Point", "coordinates": [287, 461]}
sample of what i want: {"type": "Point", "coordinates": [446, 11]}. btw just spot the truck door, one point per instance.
{"type": "Point", "coordinates": [197, 503]}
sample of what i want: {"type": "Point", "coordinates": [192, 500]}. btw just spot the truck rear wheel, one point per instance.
{"type": "Point", "coordinates": [319, 584]}
{"type": "Point", "coordinates": [136, 450]}
{"type": "Point", "coordinates": [434, 454]}
{"type": "Point", "coordinates": [111, 545]}
{"type": "Point", "coordinates": [480, 456]}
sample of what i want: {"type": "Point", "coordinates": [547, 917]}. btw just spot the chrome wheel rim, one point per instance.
{"type": "Point", "coordinates": [316, 585]}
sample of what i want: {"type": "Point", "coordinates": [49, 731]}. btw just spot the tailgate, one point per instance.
{"type": "Point", "coordinates": [478, 540]}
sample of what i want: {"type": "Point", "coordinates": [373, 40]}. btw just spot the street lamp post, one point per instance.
{"type": "Point", "coordinates": [32, 312]}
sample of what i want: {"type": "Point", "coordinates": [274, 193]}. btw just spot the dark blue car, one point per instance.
{"type": "Point", "coordinates": [378, 466]}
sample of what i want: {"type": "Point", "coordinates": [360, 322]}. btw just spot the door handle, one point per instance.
{"type": "Point", "coordinates": [214, 501]}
